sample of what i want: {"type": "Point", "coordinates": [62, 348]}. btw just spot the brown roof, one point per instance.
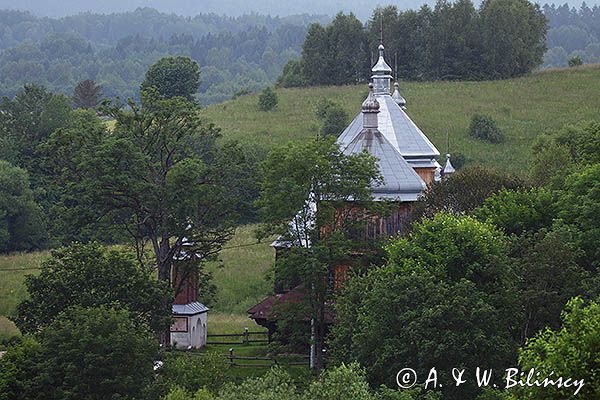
{"type": "Point", "coordinates": [267, 309]}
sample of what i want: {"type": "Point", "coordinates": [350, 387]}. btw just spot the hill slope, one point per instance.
{"type": "Point", "coordinates": [524, 108]}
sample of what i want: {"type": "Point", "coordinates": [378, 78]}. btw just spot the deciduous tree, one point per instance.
{"type": "Point", "coordinates": [86, 353]}
{"type": "Point", "coordinates": [310, 184]}
{"type": "Point", "coordinates": [443, 299]}
{"type": "Point", "coordinates": [22, 226]}
{"type": "Point", "coordinates": [173, 77]}
{"type": "Point", "coordinates": [89, 275]}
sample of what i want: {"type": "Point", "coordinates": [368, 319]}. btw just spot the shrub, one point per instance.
{"type": "Point", "coordinates": [274, 385]}
{"type": "Point", "coordinates": [334, 117]}
{"type": "Point", "coordinates": [191, 373]}
{"type": "Point", "coordinates": [267, 99]}
{"type": "Point", "coordinates": [86, 353]}
{"type": "Point", "coordinates": [575, 61]}
{"type": "Point", "coordinates": [484, 127]}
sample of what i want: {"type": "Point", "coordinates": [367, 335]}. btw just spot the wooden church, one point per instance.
{"type": "Point", "coordinates": [407, 161]}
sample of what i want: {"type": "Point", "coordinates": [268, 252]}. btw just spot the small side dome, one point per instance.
{"type": "Point", "coordinates": [370, 105]}
{"type": "Point", "coordinates": [398, 98]}
{"type": "Point", "coordinates": [449, 168]}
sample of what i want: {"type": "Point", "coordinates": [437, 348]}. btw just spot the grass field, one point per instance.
{"type": "Point", "coordinates": [524, 108]}
{"type": "Point", "coordinates": [240, 278]}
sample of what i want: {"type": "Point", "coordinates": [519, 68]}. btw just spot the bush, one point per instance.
{"type": "Point", "coordinates": [575, 61]}
{"type": "Point", "coordinates": [334, 117]}
{"type": "Point", "coordinates": [484, 127]}
{"type": "Point", "coordinates": [86, 353]}
{"type": "Point", "coordinates": [192, 373]}
{"type": "Point", "coordinates": [274, 385]}
{"type": "Point", "coordinates": [267, 99]}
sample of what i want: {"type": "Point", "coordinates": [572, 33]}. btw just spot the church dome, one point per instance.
{"type": "Point", "coordinates": [370, 105]}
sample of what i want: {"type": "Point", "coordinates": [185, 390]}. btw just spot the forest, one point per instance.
{"type": "Point", "coordinates": [244, 54]}
{"type": "Point", "coordinates": [572, 32]}
{"type": "Point", "coordinates": [236, 54]}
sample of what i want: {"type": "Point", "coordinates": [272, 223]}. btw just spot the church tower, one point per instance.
{"type": "Point", "coordinates": [396, 126]}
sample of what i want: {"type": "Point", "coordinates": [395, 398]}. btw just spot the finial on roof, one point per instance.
{"type": "Point", "coordinates": [448, 169]}
{"type": "Point", "coordinates": [381, 30]}
{"type": "Point", "coordinates": [398, 98]}
{"type": "Point", "coordinates": [370, 109]}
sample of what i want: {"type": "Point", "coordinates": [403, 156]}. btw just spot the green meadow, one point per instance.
{"type": "Point", "coordinates": [240, 277]}
{"type": "Point", "coordinates": [524, 109]}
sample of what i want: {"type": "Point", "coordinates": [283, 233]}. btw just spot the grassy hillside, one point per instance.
{"type": "Point", "coordinates": [239, 276]}
{"type": "Point", "coordinates": [524, 108]}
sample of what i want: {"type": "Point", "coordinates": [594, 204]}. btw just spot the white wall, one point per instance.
{"type": "Point", "coordinates": [196, 334]}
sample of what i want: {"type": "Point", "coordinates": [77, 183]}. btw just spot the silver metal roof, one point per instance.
{"type": "Point", "coordinates": [398, 129]}
{"type": "Point", "coordinates": [189, 309]}
{"type": "Point", "coordinates": [400, 181]}
{"type": "Point", "coordinates": [381, 66]}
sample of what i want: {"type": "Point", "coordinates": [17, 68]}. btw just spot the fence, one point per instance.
{"type": "Point", "coordinates": [256, 362]}
{"type": "Point", "coordinates": [246, 338]}
{"type": "Point", "coordinates": [269, 361]}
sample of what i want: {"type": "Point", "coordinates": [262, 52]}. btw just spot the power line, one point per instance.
{"type": "Point", "coordinates": [38, 268]}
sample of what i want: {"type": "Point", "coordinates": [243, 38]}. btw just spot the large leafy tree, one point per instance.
{"type": "Point", "coordinates": [443, 300]}
{"type": "Point", "coordinates": [160, 176]}
{"type": "Point", "coordinates": [579, 204]}
{"type": "Point", "coordinates": [547, 264]}
{"type": "Point", "coordinates": [173, 77]}
{"type": "Point", "coordinates": [28, 120]}
{"type": "Point", "coordinates": [89, 275]}
{"type": "Point", "coordinates": [336, 54]}
{"type": "Point", "coordinates": [305, 193]}
{"type": "Point", "coordinates": [405, 38]}
{"type": "Point", "coordinates": [466, 190]}
{"type": "Point", "coordinates": [22, 226]}
{"type": "Point", "coordinates": [545, 253]}
{"type": "Point", "coordinates": [570, 351]}
{"type": "Point", "coordinates": [71, 218]}
{"type": "Point", "coordinates": [519, 211]}
{"type": "Point", "coordinates": [513, 35]}
{"type": "Point", "coordinates": [86, 353]}
{"type": "Point", "coordinates": [452, 41]}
